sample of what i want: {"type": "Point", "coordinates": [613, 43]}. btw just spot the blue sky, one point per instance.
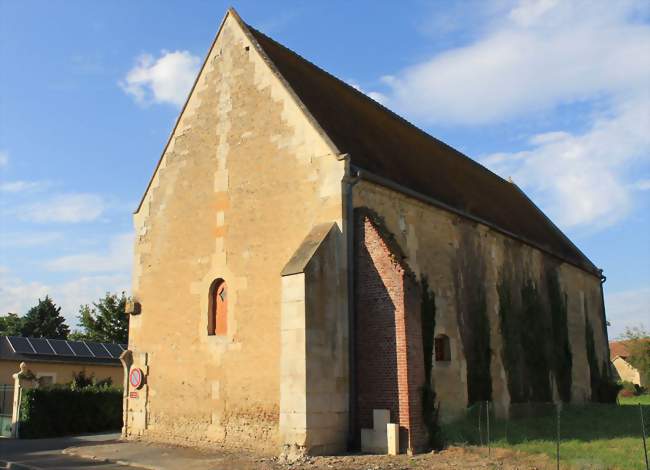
{"type": "Point", "coordinates": [554, 94]}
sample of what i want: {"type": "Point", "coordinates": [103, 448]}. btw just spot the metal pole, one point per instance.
{"type": "Point", "coordinates": [487, 413]}
{"type": "Point", "coordinates": [645, 448]}
{"type": "Point", "coordinates": [557, 437]}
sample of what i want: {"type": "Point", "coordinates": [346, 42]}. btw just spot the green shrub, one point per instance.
{"type": "Point", "coordinates": [58, 411]}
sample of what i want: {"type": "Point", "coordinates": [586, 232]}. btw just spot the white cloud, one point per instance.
{"type": "Point", "coordinates": [4, 158]}
{"type": "Point", "coordinates": [21, 186]}
{"type": "Point", "coordinates": [642, 185]}
{"type": "Point", "coordinates": [167, 79]}
{"type": "Point", "coordinates": [375, 95]}
{"type": "Point", "coordinates": [24, 239]}
{"type": "Point", "coordinates": [67, 208]}
{"type": "Point", "coordinates": [544, 54]}
{"type": "Point", "coordinates": [93, 276]}
{"type": "Point", "coordinates": [118, 257]}
{"type": "Point", "coordinates": [537, 56]}
{"type": "Point", "coordinates": [580, 179]}
{"type": "Point", "coordinates": [627, 309]}
{"type": "Point", "coordinates": [18, 296]}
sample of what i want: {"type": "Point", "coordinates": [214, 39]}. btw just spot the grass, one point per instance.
{"type": "Point", "coordinates": [591, 436]}
{"type": "Point", "coordinates": [643, 399]}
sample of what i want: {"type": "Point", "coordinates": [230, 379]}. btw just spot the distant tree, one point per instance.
{"type": "Point", "coordinates": [638, 346]}
{"type": "Point", "coordinates": [45, 321]}
{"type": "Point", "coordinates": [11, 325]}
{"type": "Point", "coordinates": [105, 321]}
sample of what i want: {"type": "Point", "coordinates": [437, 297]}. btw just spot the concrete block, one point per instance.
{"type": "Point", "coordinates": [380, 418]}
{"type": "Point", "coordinates": [392, 436]}
{"type": "Point", "coordinates": [293, 288]}
{"type": "Point", "coordinates": [293, 315]}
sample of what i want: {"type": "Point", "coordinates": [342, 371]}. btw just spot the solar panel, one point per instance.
{"type": "Point", "coordinates": [114, 349]}
{"type": "Point", "coordinates": [41, 346]}
{"type": "Point", "coordinates": [20, 345]}
{"type": "Point", "coordinates": [124, 347]}
{"type": "Point", "coordinates": [61, 347]}
{"type": "Point", "coordinates": [97, 349]}
{"type": "Point", "coordinates": [80, 349]}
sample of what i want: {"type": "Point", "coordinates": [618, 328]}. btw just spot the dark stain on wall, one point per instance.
{"type": "Point", "coordinates": [603, 387]}
{"type": "Point", "coordinates": [471, 307]}
{"type": "Point", "coordinates": [429, 409]}
{"type": "Point", "coordinates": [533, 321]}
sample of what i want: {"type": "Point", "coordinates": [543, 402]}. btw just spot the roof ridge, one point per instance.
{"type": "Point", "coordinates": [389, 111]}
{"type": "Point", "coordinates": [428, 149]}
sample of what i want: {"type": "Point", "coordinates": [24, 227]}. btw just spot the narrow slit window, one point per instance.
{"type": "Point", "coordinates": [218, 308]}
{"type": "Point", "coordinates": [442, 349]}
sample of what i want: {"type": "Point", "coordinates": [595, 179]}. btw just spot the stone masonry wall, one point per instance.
{"type": "Point", "coordinates": [244, 178]}
{"type": "Point", "coordinates": [441, 247]}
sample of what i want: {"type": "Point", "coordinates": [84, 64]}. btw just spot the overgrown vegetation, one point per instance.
{"type": "Point", "coordinates": [60, 411]}
{"type": "Point", "coordinates": [429, 409]}
{"type": "Point", "coordinates": [562, 360]}
{"type": "Point", "coordinates": [535, 334]}
{"type": "Point", "coordinates": [473, 321]}
{"type": "Point", "coordinates": [592, 436]}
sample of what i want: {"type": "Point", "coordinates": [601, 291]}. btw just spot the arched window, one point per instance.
{"type": "Point", "coordinates": [441, 348]}
{"type": "Point", "coordinates": [218, 308]}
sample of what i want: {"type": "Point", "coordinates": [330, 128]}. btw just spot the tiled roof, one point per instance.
{"type": "Point", "coordinates": [384, 144]}
{"type": "Point", "coordinates": [618, 348]}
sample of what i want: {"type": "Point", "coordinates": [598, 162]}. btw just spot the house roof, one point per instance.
{"type": "Point", "coordinates": [18, 348]}
{"type": "Point", "coordinates": [621, 348]}
{"type": "Point", "coordinates": [618, 348]}
{"type": "Point", "coordinates": [382, 143]}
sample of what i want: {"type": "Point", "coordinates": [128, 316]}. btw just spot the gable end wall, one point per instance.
{"type": "Point", "coordinates": [244, 178]}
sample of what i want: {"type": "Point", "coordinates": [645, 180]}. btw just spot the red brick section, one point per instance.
{"type": "Point", "coordinates": [390, 363]}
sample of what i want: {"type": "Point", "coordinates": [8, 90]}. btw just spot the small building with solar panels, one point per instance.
{"type": "Point", "coordinates": [56, 361]}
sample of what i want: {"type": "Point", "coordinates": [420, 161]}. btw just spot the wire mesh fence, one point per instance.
{"type": "Point", "coordinates": [583, 436]}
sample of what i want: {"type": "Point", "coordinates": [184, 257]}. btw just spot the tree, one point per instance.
{"type": "Point", "coordinates": [11, 325]}
{"type": "Point", "coordinates": [106, 321]}
{"type": "Point", "coordinates": [45, 321]}
{"type": "Point", "coordinates": [638, 346]}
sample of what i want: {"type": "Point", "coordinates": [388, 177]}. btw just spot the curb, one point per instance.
{"type": "Point", "coordinates": [20, 466]}
{"type": "Point", "coordinates": [127, 463]}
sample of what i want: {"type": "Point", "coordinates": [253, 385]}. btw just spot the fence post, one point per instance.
{"type": "Point", "coordinates": [487, 413]}
{"type": "Point", "coordinates": [645, 448]}
{"type": "Point", "coordinates": [557, 436]}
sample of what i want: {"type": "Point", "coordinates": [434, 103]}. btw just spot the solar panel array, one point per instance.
{"type": "Point", "coordinates": [60, 347]}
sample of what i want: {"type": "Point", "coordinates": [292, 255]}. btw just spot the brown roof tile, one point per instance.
{"type": "Point", "coordinates": [381, 142]}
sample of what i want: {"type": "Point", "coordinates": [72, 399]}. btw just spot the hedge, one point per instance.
{"type": "Point", "coordinates": [51, 412]}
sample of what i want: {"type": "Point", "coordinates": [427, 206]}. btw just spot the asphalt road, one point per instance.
{"type": "Point", "coordinates": [23, 454]}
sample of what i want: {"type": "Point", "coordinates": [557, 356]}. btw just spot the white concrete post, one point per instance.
{"type": "Point", "coordinates": [24, 379]}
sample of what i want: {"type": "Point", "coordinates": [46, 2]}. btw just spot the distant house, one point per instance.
{"type": "Point", "coordinates": [619, 354]}
{"type": "Point", "coordinates": [55, 361]}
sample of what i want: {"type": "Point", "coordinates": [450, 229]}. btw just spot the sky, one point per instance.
{"type": "Point", "coordinates": [554, 94]}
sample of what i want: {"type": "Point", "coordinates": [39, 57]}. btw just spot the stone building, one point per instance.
{"type": "Point", "coordinates": [304, 256]}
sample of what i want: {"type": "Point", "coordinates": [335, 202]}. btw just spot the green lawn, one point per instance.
{"type": "Point", "coordinates": [592, 436]}
{"type": "Point", "coordinates": [643, 399]}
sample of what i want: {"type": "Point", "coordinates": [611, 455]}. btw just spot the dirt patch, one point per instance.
{"type": "Point", "coordinates": [162, 457]}
{"type": "Point", "coordinates": [453, 457]}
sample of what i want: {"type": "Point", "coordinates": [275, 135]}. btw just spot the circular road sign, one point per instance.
{"type": "Point", "coordinates": [135, 378]}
